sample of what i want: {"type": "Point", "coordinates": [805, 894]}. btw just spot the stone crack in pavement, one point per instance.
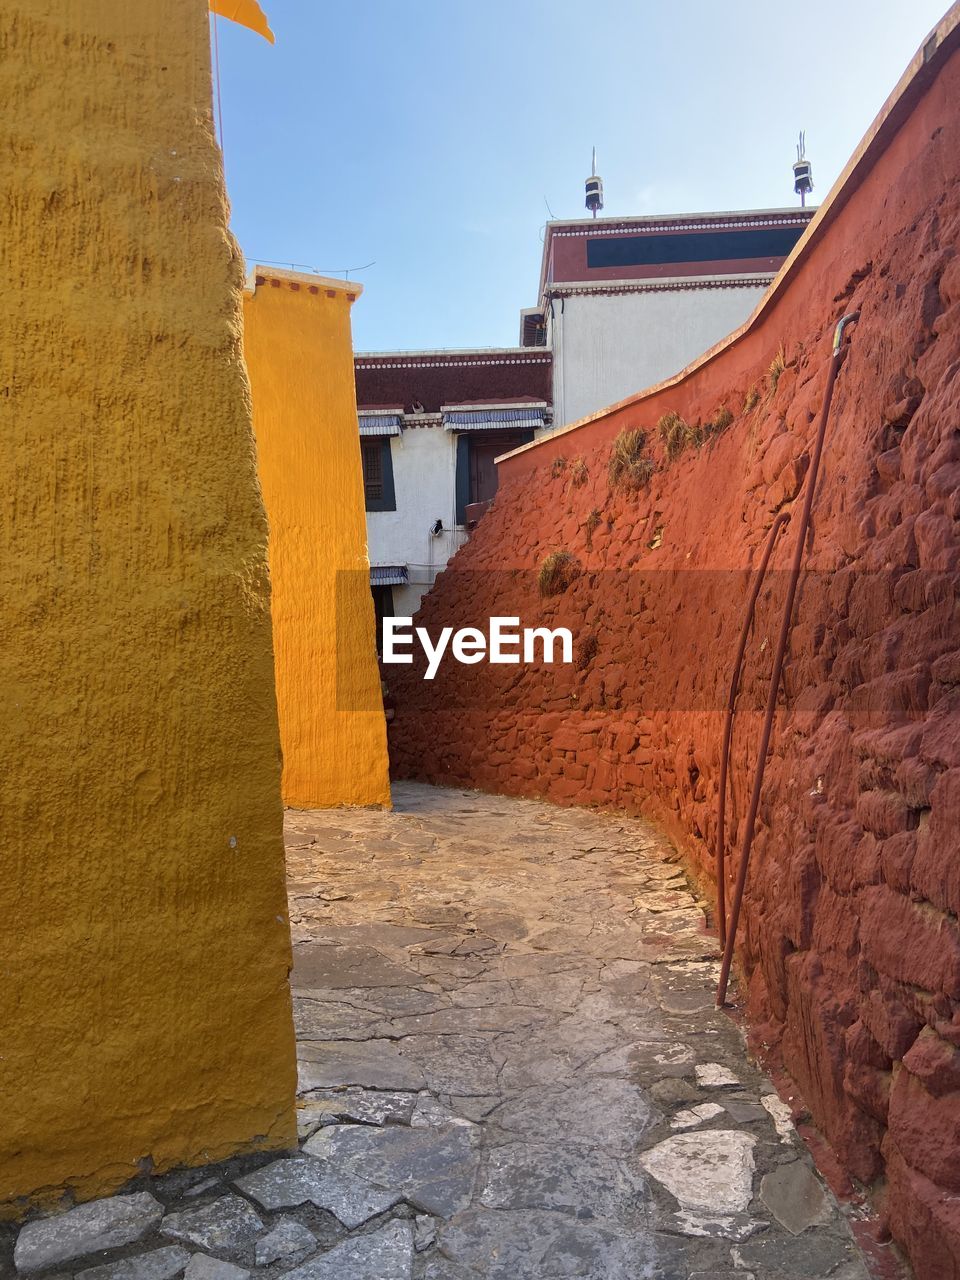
{"type": "Point", "coordinates": [510, 1069]}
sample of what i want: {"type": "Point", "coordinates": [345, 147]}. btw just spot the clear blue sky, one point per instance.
{"type": "Point", "coordinates": [426, 136]}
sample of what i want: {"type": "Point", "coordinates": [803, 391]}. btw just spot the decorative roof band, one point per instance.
{"type": "Point", "coordinates": [366, 362]}
{"type": "Point", "coordinates": [657, 228]}
{"type": "Point", "coordinates": [566, 289]}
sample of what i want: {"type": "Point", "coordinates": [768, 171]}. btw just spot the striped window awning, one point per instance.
{"type": "Point", "coordinates": [388, 575]}
{"type": "Point", "coordinates": [380, 424]}
{"type": "Point", "coordinates": [495, 418]}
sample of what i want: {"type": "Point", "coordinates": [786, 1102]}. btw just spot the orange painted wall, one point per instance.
{"type": "Point", "coordinates": [300, 358]}
{"type": "Point", "coordinates": [144, 946]}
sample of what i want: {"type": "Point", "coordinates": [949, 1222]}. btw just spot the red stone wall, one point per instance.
{"type": "Point", "coordinates": [850, 946]}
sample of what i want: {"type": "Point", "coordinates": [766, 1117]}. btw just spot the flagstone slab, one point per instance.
{"type": "Point", "coordinates": [371, 1064]}
{"type": "Point", "coordinates": [612, 1113]}
{"type": "Point", "coordinates": [386, 1254]}
{"type": "Point", "coordinates": [795, 1197]}
{"type": "Point", "coordinates": [577, 1181]}
{"type": "Point", "coordinates": [330, 965]}
{"type": "Point", "coordinates": [499, 1245]}
{"type": "Point", "coordinates": [203, 1267]}
{"type": "Point", "coordinates": [289, 1239]}
{"type": "Point", "coordinates": [288, 1183]}
{"type": "Point", "coordinates": [709, 1172]}
{"type": "Point", "coordinates": [158, 1264]}
{"type": "Point", "coordinates": [433, 1167]}
{"type": "Point", "coordinates": [89, 1228]}
{"type": "Point", "coordinates": [363, 1106]}
{"type": "Point", "coordinates": [226, 1224]}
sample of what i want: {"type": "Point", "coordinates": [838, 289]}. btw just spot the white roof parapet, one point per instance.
{"type": "Point", "coordinates": [304, 278]}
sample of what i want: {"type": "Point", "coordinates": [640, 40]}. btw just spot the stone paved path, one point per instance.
{"type": "Point", "coordinates": [522, 997]}
{"type": "Point", "coordinates": [510, 1069]}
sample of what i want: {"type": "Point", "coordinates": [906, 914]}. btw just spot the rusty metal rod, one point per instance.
{"type": "Point", "coordinates": [836, 360]}
{"type": "Point", "coordinates": [782, 519]}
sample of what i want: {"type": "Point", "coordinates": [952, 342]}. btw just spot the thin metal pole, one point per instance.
{"type": "Point", "coordinates": [782, 519]}
{"type": "Point", "coordinates": [837, 358]}
{"type": "Point", "coordinates": [216, 65]}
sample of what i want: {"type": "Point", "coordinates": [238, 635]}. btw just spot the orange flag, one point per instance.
{"type": "Point", "coordinates": [247, 12]}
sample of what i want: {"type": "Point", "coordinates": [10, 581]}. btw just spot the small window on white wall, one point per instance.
{"type": "Point", "coordinates": [378, 490]}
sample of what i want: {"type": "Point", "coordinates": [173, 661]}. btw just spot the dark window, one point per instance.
{"type": "Point", "coordinates": [372, 470]}
{"type": "Point", "coordinates": [534, 333]}
{"type": "Point", "coordinates": [377, 461]}
{"type": "Point", "coordinates": [476, 478]}
{"type": "Point", "coordinates": [691, 246]}
{"type": "Point", "coordinates": [483, 473]}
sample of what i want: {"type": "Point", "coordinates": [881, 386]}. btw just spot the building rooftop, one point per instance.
{"type": "Point", "coordinates": [258, 275]}
{"type": "Point", "coordinates": [669, 246]}
{"type": "Point", "coordinates": [424, 381]}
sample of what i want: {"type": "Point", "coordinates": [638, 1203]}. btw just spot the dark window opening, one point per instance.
{"type": "Point", "coordinates": [372, 470]}
{"type": "Point", "coordinates": [483, 473]}
{"type": "Point", "coordinates": [378, 490]}
{"type": "Point", "coordinates": [691, 246]}
{"type": "Point", "coordinates": [476, 479]}
{"type": "Point", "coordinates": [534, 331]}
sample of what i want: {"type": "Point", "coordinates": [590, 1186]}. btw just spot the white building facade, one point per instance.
{"type": "Point", "coordinates": [411, 536]}
{"type": "Point", "coordinates": [431, 424]}
{"type": "Point", "coordinates": [627, 302]}
{"type": "Point", "coordinates": [624, 303]}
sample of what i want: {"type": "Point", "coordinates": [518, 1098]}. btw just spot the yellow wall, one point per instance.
{"type": "Point", "coordinates": [144, 946]}
{"type": "Point", "coordinates": [299, 354]}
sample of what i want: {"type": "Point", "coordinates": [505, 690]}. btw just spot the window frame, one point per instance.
{"type": "Point", "coordinates": [387, 498]}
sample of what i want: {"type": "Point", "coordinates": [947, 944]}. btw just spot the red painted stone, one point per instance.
{"type": "Point", "coordinates": [850, 948]}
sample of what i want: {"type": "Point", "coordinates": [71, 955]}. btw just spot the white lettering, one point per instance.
{"type": "Point", "coordinates": [469, 646]}
{"type": "Point", "coordinates": [391, 640]}
{"type": "Point", "coordinates": [499, 637]}
{"type": "Point", "coordinates": [434, 653]}
{"type": "Point", "coordinates": [548, 638]}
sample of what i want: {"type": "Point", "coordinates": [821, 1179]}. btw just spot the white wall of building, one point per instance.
{"type": "Point", "coordinates": [424, 476]}
{"type": "Point", "coordinates": [609, 346]}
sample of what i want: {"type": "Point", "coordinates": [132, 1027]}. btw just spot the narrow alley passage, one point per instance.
{"type": "Point", "coordinates": [511, 1066]}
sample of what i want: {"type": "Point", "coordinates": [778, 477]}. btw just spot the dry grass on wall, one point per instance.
{"type": "Point", "coordinates": [579, 472]}
{"type": "Point", "coordinates": [558, 570]}
{"type": "Point", "coordinates": [629, 467]}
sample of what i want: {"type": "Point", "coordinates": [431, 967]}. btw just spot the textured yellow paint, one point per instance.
{"type": "Point", "coordinates": [300, 359]}
{"type": "Point", "coordinates": [144, 946]}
